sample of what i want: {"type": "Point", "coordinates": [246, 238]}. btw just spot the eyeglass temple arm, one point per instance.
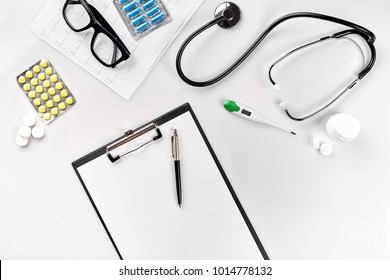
{"type": "Point", "coordinates": [107, 26]}
{"type": "Point", "coordinates": [102, 21]}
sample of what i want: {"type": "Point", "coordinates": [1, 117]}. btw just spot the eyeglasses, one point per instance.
{"type": "Point", "coordinates": [106, 46]}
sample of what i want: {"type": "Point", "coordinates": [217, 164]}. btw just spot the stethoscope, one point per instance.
{"type": "Point", "coordinates": [228, 14]}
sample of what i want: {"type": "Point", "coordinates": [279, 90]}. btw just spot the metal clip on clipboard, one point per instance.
{"type": "Point", "coordinates": [129, 136]}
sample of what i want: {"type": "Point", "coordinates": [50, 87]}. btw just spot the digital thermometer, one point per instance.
{"type": "Point", "coordinates": [250, 114]}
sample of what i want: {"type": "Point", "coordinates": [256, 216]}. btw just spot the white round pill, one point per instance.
{"type": "Point", "coordinates": [326, 149]}
{"type": "Point", "coordinates": [38, 132]}
{"type": "Point", "coordinates": [29, 120]}
{"type": "Point", "coordinates": [21, 141]}
{"type": "Point", "coordinates": [25, 131]}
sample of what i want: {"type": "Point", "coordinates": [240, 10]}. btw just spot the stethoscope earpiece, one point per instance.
{"type": "Point", "coordinates": [231, 14]}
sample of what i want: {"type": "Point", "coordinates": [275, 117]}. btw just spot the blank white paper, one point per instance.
{"type": "Point", "coordinates": [136, 198]}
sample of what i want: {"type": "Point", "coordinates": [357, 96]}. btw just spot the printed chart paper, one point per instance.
{"type": "Point", "coordinates": [126, 77]}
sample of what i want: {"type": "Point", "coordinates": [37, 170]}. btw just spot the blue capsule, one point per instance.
{"type": "Point", "coordinates": [143, 27]}
{"type": "Point", "coordinates": [131, 6]}
{"type": "Point", "coordinates": [138, 20]}
{"type": "Point", "coordinates": [142, 16]}
{"type": "Point", "coordinates": [134, 13]}
{"type": "Point", "coordinates": [153, 11]}
{"type": "Point", "coordinates": [149, 5]}
{"type": "Point", "coordinates": [157, 19]}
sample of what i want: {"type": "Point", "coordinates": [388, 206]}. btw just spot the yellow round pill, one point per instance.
{"type": "Point", "coordinates": [41, 76]}
{"type": "Point", "coordinates": [59, 86]}
{"type": "Point", "coordinates": [37, 101]}
{"type": "Point", "coordinates": [27, 87]}
{"type": "Point", "coordinates": [42, 109]}
{"type": "Point", "coordinates": [51, 91]}
{"type": "Point", "coordinates": [46, 84]}
{"type": "Point", "coordinates": [21, 80]}
{"type": "Point", "coordinates": [44, 96]}
{"type": "Point", "coordinates": [54, 78]}
{"type": "Point", "coordinates": [62, 106]}
{"type": "Point", "coordinates": [69, 101]}
{"type": "Point", "coordinates": [36, 69]}
{"type": "Point", "coordinates": [54, 111]}
{"type": "Point", "coordinates": [64, 93]}
{"type": "Point", "coordinates": [32, 94]}
{"type": "Point", "coordinates": [39, 89]}
{"type": "Point", "coordinates": [34, 82]}
{"type": "Point", "coordinates": [49, 71]}
{"type": "Point", "coordinates": [29, 74]}
{"type": "Point", "coordinates": [56, 98]}
{"type": "Point", "coordinates": [44, 63]}
{"type": "Point", "coordinates": [49, 104]}
{"type": "Point", "coordinates": [47, 116]}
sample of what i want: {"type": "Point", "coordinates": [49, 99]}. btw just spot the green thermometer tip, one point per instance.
{"type": "Point", "coordinates": [231, 106]}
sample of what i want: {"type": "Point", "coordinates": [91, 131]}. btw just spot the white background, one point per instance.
{"type": "Point", "coordinates": [302, 270]}
{"type": "Point", "coordinates": [302, 205]}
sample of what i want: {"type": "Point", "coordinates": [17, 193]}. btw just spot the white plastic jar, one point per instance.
{"type": "Point", "coordinates": [343, 127]}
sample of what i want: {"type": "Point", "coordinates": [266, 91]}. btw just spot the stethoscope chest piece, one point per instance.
{"type": "Point", "coordinates": [231, 13]}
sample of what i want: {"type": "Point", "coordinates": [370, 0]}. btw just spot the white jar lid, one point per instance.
{"type": "Point", "coordinates": [346, 127]}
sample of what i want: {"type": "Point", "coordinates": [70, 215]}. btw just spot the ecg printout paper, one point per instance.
{"type": "Point", "coordinates": [126, 77]}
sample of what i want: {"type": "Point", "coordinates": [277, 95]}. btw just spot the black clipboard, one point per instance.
{"type": "Point", "coordinates": [159, 121]}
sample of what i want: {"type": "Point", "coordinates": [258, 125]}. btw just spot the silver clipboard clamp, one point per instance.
{"type": "Point", "coordinates": [129, 136]}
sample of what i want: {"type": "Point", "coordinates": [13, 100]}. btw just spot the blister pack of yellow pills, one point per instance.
{"type": "Point", "coordinates": [45, 90]}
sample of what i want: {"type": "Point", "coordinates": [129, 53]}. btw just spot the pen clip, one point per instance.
{"type": "Point", "coordinates": [129, 136]}
{"type": "Point", "coordinates": [172, 146]}
{"type": "Point", "coordinates": [175, 145]}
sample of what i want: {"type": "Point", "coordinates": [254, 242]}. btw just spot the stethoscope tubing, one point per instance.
{"type": "Point", "coordinates": [356, 29]}
{"type": "Point", "coordinates": [183, 47]}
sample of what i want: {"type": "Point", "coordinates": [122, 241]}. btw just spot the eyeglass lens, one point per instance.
{"type": "Point", "coordinates": [105, 49]}
{"type": "Point", "coordinates": [76, 15]}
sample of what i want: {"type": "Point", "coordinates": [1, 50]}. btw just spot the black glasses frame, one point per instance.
{"type": "Point", "coordinates": [99, 25]}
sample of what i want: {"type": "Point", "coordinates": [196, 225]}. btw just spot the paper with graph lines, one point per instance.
{"type": "Point", "coordinates": [126, 77]}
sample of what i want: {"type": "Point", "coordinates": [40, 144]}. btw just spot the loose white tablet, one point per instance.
{"type": "Point", "coordinates": [25, 131]}
{"type": "Point", "coordinates": [316, 143]}
{"type": "Point", "coordinates": [326, 149]}
{"type": "Point", "coordinates": [21, 141]}
{"type": "Point", "coordinates": [38, 132]}
{"type": "Point", "coordinates": [29, 120]}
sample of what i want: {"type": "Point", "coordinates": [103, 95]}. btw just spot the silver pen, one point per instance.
{"type": "Point", "coordinates": [176, 160]}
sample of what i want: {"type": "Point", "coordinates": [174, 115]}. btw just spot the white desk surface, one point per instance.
{"type": "Point", "coordinates": [302, 205]}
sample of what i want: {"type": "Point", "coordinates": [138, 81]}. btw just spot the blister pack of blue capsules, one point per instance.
{"type": "Point", "coordinates": [142, 16]}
